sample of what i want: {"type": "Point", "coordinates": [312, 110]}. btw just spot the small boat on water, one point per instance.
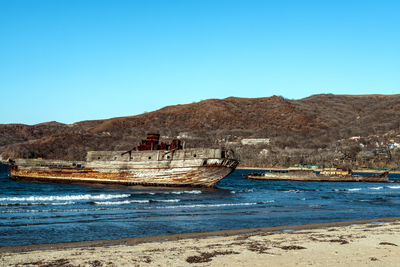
{"type": "Point", "coordinates": [150, 163]}
{"type": "Point", "coordinates": [326, 175]}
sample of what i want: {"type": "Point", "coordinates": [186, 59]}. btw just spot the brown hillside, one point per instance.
{"type": "Point", "coordinates": [225, 114]}
{"type": "Point", "coordinates": [315, 122]}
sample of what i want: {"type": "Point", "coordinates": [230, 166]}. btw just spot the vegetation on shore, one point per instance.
{"type": "Point", "coordinates": [323, 130]}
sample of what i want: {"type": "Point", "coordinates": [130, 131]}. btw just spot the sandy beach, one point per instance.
{"type": "Point", "coordinates": [357, 243]}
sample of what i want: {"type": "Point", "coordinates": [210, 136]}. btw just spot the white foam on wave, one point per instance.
{"type": "Point", "coordinates": [185, 192]}
{"type": "Point", "coordinates": [268, 201]}
{"type": "Point", "coordinates": [19, 211]}
{"type": "Point", "coordinates": [376, 188]}
{"type": "Point", "coordinates": [242, 191]}
{"type": "Point", "coordinates": [246, 191]}
{"type": "Point", "coordinates": [215, 205]}
{"type": "Point", "coordinates": [348, 189]}
{"type": "Point", "coordinates": [112, 202]}
{"type": "Point", "coordinates": [139, 201]}
{"type": "Point", "coordinates": [62, 203]}
{"type": "Point", "coordinates": [394, 187]}
{"type": "Point", "coordinates": [353, 189]}
{"type": "Point", "coordinates": [65, 198]}
{"type": "Point", "coordinates": [134, 201]}
{"type": "Point", "coordinates": [293, 190]}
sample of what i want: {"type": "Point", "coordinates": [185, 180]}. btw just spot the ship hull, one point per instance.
{"type": "Point", "coordinates": [383, 178]}
{"type": "Point", "coordinates": [180, 174]}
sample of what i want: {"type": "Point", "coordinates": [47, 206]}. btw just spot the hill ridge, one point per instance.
{"type": "Point", "coordinates": [315, 122]}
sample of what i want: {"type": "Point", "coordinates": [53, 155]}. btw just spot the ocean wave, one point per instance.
{"type": "Point", "coordinates": [216, 205]}
{"type": "Point", "coordinates": [55, 210]}
{"type": "Point", "coordinates": [20, 204]}
{"type": "Point", "coordinates": [376, 188]}
{"type": "Point", "coordinates": [35, 204]}
{"type": "Point", "coordinates": [347, 189]}
{"type": "Point", "coordinates": [62, 203]}
{"type": "Point", "coordinates": [112, 202]}
{"type": "Point", "coordinates": [292, 190]}
{"type": "Point", "coordinates": [265, 202]}
{"type": "Point", "coordinates": [184, 192]}
{"type": "Point", "coordinates": [394, 187]}
{"type": "Point", "coordinates": [244, 191]}
{"type": "Point", "coordinates": [165, 200]}
{"type": "Point", "coordinates": [64, 198]}
{"type": "Point", "coordinates": [134, 201]}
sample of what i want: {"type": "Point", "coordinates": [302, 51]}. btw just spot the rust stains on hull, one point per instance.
{"type": "Point", "coordinates": [206, 176]}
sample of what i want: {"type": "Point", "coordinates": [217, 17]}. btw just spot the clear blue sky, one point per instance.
{"type": "Point", "coordinates": [77, 60]}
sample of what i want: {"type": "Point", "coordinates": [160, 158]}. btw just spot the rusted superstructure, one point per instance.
{"type": "Point", "coordinates": [152, 142]}
{"type": "Point", "coordinates": [150, 163]}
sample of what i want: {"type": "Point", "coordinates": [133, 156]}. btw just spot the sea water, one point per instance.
{"type": "Point", "coordinates": [39, 212]}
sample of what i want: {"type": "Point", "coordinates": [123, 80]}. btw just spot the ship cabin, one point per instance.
{"type": "Point", "coordinates": [151, 149]}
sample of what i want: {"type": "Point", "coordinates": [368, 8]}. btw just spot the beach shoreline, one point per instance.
{"type": "Point", "coordinates": [277, 245]}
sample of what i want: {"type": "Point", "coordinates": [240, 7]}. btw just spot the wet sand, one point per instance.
{"type": "Point", "coordinates": [373, 242]}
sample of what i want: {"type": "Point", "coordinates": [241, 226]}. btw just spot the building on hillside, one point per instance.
{"type": "Point", "coordinates": [255, 141]}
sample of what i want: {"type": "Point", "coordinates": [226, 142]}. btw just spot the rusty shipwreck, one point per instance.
{"type": "Point", "coordinates": [325, 175]}
{"type": "Point", "coordinates": [150, 163]}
